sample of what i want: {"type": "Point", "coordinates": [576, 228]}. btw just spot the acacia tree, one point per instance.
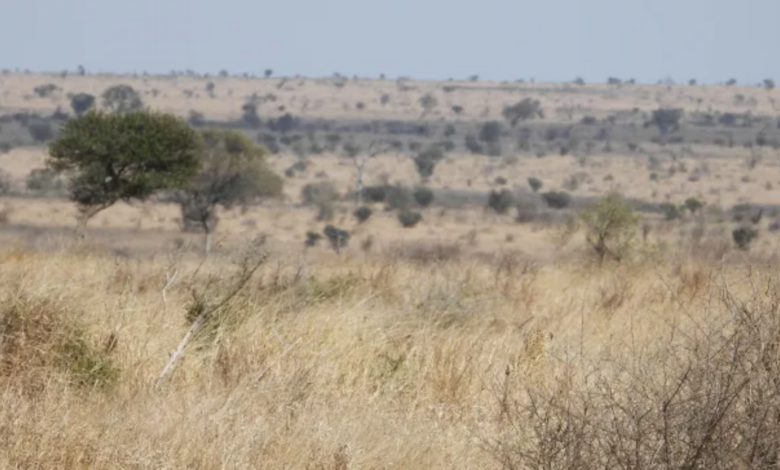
{"type": "Point", "coordinates": [233, 171]}
{"type": "Point", "coordinates": [113, 157]}
{"type": "Point", "coordinates": [359, 160]}
{"type": "Point", "coordinates": [122, 99]}
{"type": "Point", "coordinates": [610, 227]}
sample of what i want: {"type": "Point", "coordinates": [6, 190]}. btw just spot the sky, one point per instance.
{"type": "Point", "coordinates": [548, 40]}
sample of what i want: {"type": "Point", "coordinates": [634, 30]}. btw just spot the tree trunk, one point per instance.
{"type": "Point", "coordinates": [359, 199]}
{"type": "Point", "coordinates": [83, 217]}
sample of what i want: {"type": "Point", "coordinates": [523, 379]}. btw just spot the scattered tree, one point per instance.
{"type": "Point", "coordinates": [81, 103]}
{"type": "Point", "coordinates": [535, 184]}
{"type": "Point", "coordinates": [523, 111]}
{"type": "Point", "coordinates": [769, 84]}
{"type": "Point", "coordinates": [122, 99]}
{"type": "Point", "coordinates": [666, 119]}
{"type": "Point", "coordinates": [408, 218]}
{"type": "Point", "coordinates": [428, 102]}
{"type": "Point", "coordinates": [321, 195]}
{"type": "Point", "coordinates": [426, 160]}
{"type": "Point", "coordinates": [744, 236]}
{"type": "Point", "coordinates": [693, 205]}
{"type": "Point", "coordinates": [126, 157]}
{"type": "Point", "coordinates": [610, 227]}
{"type": "Point", "coordinates": [233, 172]}
{"type": "Point", "coordinates": [362, 214]}
{"type": "Point", "coordinates": [338, 238]}
{"type": "Point", "coordinates": [501, 201]}
{"type": "Point", "coordinates": [45, 91]}
{"type": "Point", "coordinates": [557, 199]}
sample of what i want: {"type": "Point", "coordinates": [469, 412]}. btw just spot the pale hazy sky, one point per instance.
{"type": "Point", "coordinates": [550, 40]}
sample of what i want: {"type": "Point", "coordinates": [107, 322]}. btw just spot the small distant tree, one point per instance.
{"type": "Point", "coordinates": [40, 131]}
{"type": "Point", "coordinates": [693, 205]}
{"type": "Point", "coordinates": [427, 159]}
{"type": "Point", "coordinates": [122, 99]}
{"type": "Point", "coordinates": [409, 219]}
{"type": "Point", "coordinates": [268, 72]}
{"type": "Point", "coordinates": [501, 201]}
{"type": "Point", "coordinates": [322, 195]}
{"type": "Point", "coordinates": [81, 103]}
{"type": "Point", "coordinates": [428, 103]}
{"type": "Point", "coordinates": [769, 84]}
{"type": "Point", "coordinates": [666, 119]}
{"type": "Point", "coordinates": [113, 157]}
{"type": "Point", "coordinates": [338, 238]}
{"type": "Point", "coordinates": [610, 227]}
{"type": "Point", "coordinates": [360, 159]}
{"type": "Point", "coordinates": [731, 82]}
{"type": "Point", "coordinates": [523, 110]}
{"type": "Point", "coordinates": [249, 114]}
{"type": "Point", "coordinates": [579, 81]}
{"type": "Point", "coordinates": [557, 199]}
{"type": "Point", "coordinates": [362, 214]}
{"type": "Point", "coordinates": [490, 134]}
{"type": "Point", "coordinates": [535, 184]}
{"type": "Point", "coordinates": [45, 91]}
{"type": "Point", "coordinates": [233, 172]}
{"type": "Point", "coordinates": [744, 236]}
{"type": "Point", "coordinates": [457, 109]}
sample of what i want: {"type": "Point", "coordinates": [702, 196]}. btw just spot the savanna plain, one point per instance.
{"type": "Point", "coordinates": [458, 274]}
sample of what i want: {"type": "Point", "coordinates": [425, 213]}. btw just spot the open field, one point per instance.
{"type": "Point", "coordinates": [472, 340]}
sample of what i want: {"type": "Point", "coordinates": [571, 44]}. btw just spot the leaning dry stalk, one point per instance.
{"type": "Point", "coordinates": [248, 272]}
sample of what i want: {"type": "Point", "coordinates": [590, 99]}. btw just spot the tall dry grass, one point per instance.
{"type": "Point", "coordinates": [448, 362]}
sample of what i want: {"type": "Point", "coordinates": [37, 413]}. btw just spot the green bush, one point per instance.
{"type": "Point", "coordinates": [610, 227]}
{"type": "Point", "coordinates": [44, 180]}
{"type": "Point", "coordinates": [81, 103]}
{"type": "Point", "coordinates": [501, 201]}
{"type": "Point", "coordinates": [322, 195]}
{"type": "Point", "coordinates": [409, 219]}
{"type": "Point", "coordinates": [375, 193]}
{"type": "Point", "coordinates": [338, 238]}
{"type": "Point", "coordinates": [557, 199]}
{"type": "Point", "coordinates": [744, 236]}
{"type": "Point", "coordinates": [122, 99]}
{"type": "Point", "coordinates": [535, 184]}
{"type": "Point", "coordinates": [423, 196]}
{"type": "Point", "coordinates": [362, 214]}
{"type": "Point", "coordinates": [670, 211]}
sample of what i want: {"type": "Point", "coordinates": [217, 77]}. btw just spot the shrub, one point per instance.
{"type": "Point", "coordinates": [523, 110]}
{"type": "Point", "coordinates": [670, 211]}
{"type": "Point", "coordinates": [535, 184]}
{"type": "Point", "coordinates": [338, 238]}
{"type": "Point", "coordinates": [312, 238]}
{"type": "Point", "coordinates": [423, 196]}
{"type": "Point", "coordinates": [769, 84]}
{"type": "Point", "coordinates": [472, 144]}
{"type": "Point", "coordinates": [123, 157]}
{"type": "Point", "coordinates": [249, 114]}
{"type": "Point", "coordinates": [666, 119]}
{"type": "Point", "coordinates": [375, 193]}
{"type": "Point", "coordinates": [557, 199]}
{"type": "Point", "coordinates": [409, 219]}
{"type": "Point", "coordinates": [501, 201]}
{"type": "Point", "coordinates": [45, 91]}
{"type": "Point", "coordinates": [122, 99]}
{"type": "Point", "coordinates": [693, 205]}
{"type": "Point", "coordinates": [610, 227]}
{"type": "Point", "coordinates": [362, 214]}
{"type": "Point", "coordinates": [500, 180]}
{"type": "Point", "coordinates": [40, 131]}
{"type": "Point", "coordinates": [81, 103]}
{"type": "Point", "coordinates": [490, 132]}
{"type": "Point", "coordinates": [321, 195]}
{"type": "Point", "coordinates": [398, 197]}
{"type": "Point", "coordinates": [426, 161]}
{"type": "Point", "coordinates": [744, 236]}
{"type": "Point", "coordinates": [428, 102]}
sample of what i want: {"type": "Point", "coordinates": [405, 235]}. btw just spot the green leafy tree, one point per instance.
{"type": "Point", "coordinates": [693, 205]}
{"type": "Point", "coordinates": [233, 172]}
{"type": "Point", "coordinates": [428, 103]}
{"type": "Point", "coordinates": [122, 99]}
{"type": "Point", "coordinates": [130, 156]}
{"type": "Point", "coordinates": [610, 227]}
{"type": "Point", "coordinates": [666, 119]}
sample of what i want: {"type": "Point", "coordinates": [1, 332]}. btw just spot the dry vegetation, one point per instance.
{"type": "Point", "coordinates": [486, 336]}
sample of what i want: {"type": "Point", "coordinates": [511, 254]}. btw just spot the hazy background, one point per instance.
{"type": "Point", "coordinates": [552, 40]}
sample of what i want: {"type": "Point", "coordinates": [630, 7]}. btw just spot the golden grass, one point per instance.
{"type": "Point", "coordinates": [343, 363]}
